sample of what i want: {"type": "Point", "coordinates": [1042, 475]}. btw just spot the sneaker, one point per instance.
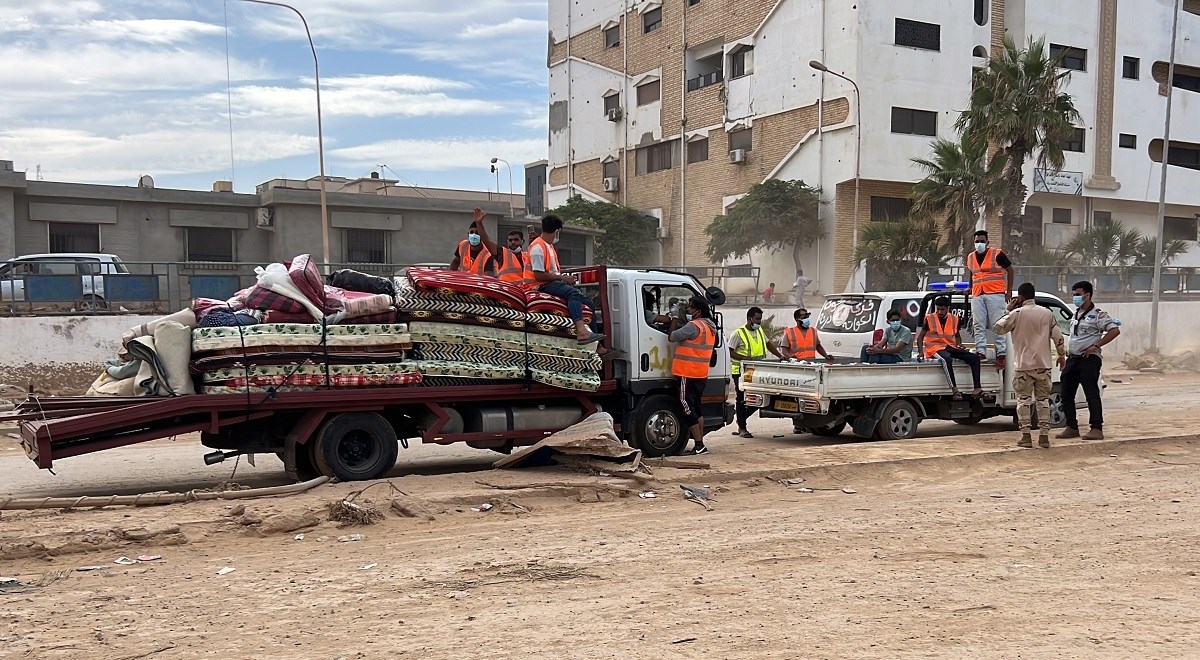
{"type": "Point", "coordinates": [1044, 441]}
{"type": "Point", "coordinates": [1094, 434]}
{"type": "Point", "coordinates": [1026, 441]}
{"type": "Point", "coordinates": [1068, 433]}
{"type": "Point", "coordinates": [699, 449]}
{"type": "Point", "coordinates": [739, 431]}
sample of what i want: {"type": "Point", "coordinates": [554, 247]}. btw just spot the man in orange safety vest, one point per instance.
{"type": "Point", "coordinates": [991, 275]}
{"type": "Point", "coordinates": [695, 338]}
{"type": "Point", "coordinates": [938, 339]}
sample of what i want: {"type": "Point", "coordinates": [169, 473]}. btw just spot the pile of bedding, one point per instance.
{"type": "Point", "coordinates": [293, 331]}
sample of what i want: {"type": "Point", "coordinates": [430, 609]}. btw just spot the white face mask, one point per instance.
{"type": "Point", "coordinates": [980, 247]}
{"type": "Point", "coordinates": [557, 235]}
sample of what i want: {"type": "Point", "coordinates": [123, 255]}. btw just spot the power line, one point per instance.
{"type": "Point", "coordinates": [410, 184]}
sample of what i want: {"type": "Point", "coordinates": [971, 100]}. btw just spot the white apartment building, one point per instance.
{"type": "Point", "coordinates": [678, 107]}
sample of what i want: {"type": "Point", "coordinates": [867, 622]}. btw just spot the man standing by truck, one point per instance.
{"type": "Point", "coordinates": [748, 342]}
{"type": "Point", "coordinates": [695, 338]}
{"type": "Point", "coordinates": [1091, 328]}
{"type": "Point", "coordinates": [1032, 328]}
{"type": "Point", "coordinates": [991, 290]}
{"type": "Point", "coordinates": [802, 341]}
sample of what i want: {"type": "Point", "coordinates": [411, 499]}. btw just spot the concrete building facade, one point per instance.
{"type": "Point", "coordinates": [372, 221]}
{"type": "Point", "coordinates": [678, 107]}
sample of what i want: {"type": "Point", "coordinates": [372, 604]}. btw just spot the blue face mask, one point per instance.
{"type": "Point", "coordinates": [755, 326]}
{"type": "Point", "coordinates": [688, 316]}
{"type": "Point", "coordinates": [805, 323]}
{"type": "Point", "coordinates": [1078, 300]}
{"type": "Point", "coordinates": [474, 239]}
{"type": "Point", "coordinates": [980, 247]}
{"type": "Point", "coordinates": [895, 325]}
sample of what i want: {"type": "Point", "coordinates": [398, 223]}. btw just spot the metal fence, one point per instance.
{"type": "Point", "coordinates": [1111, 282]}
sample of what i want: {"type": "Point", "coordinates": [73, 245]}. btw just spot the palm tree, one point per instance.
{"type": "Point", "coordinates": [1144, 251]}
{"type": "Point", "coordinates": [1017, 105]}
{"type": "Point", "coordinates": [897, 253]}
{"type": "Point", "coordinates": [1110, 244]}
{"type": "Point", "coordinates": [959, 184]}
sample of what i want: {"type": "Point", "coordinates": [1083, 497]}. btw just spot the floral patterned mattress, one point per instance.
{"type": "Point", "coordinates": [299, 334]}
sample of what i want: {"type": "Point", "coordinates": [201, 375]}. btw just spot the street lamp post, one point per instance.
{"type": "Point", "coordinates": [511, 213]}
{"type": "Point", "coordinates": [320, 129]}
{"type": "Point", "coordinates": [1156, 281]}
{"type": "Point", "coordinates": [819, 66]}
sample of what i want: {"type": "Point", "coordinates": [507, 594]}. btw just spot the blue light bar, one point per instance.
{"type": "Point", "coordinates": [942, 286]}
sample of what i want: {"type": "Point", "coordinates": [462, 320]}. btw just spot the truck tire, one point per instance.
{"type": "Point", "coordinates": [1057, 418]}
{"type": "Point", "coordinates": [831, 431]}
{"type": "Point", "coordinates": [355, 447]}
{"type": "Point", "coordinates": [658, 426]}
{"type": "Point", "coordinates": [898, 422]}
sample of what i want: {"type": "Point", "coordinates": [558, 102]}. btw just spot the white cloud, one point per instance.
{"type": "Point", "coordinates": [509, 28]}
{"type": "Point", "coordinates": [439, 155]}
{"type": "Point", "coordinates": [258, 101]}
{"type": "Point", "coordinates": [147, 30]}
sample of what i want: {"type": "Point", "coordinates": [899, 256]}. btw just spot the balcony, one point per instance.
{"type": "Point", "coordinates": [705, 80]}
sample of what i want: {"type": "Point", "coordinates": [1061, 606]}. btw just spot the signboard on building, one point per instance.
{"type": "Point", "coordinates": [1063, 183]}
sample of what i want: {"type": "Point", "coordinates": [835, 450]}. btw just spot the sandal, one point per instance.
{"type": "Point", "coordinates": [739, 432]}
{"type": "Point", "coordinates": [957, 396]}
{"type": "Point", "coordinates": [747, 434]}
{"type": "Point", "coordinates": [594, 337]}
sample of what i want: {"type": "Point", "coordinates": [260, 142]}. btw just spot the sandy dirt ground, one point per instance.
{"type": "Point", "coordinates": [947, 546]}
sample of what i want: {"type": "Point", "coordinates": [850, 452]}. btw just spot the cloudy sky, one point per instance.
{"type": "Point", "coordinates": [103, 91]}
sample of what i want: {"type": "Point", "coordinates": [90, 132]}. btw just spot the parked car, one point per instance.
{"type": "Point", "coordinates": [90, 267]}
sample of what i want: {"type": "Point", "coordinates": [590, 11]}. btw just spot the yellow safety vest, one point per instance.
{"type": "Point", "coordinates": [755, 346]}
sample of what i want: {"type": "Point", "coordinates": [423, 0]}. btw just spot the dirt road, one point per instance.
{"type": "Point", "coordinates": [946, 546]}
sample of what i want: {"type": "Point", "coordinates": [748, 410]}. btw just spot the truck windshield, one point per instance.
{"type": "Point", "coordinates": [848, 315]}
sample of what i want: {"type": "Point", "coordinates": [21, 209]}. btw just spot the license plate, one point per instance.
{"type": "Point", "coordinates": [787, 406]}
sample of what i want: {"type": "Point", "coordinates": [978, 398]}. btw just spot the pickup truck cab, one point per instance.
{"type": "Point", "coordinates": [888, 401]}
{"type": "Point", "coordinates": [89, 267]}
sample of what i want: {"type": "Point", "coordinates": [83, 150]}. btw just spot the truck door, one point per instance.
{"type": "Point", "coordinates": [652, 359]}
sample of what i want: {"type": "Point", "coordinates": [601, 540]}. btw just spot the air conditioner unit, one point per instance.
{"type": "Point", "coordinates": [611, 184]}
{"type": "Point", "coordinates": [662, 231]}
{"type": "Point", "coordinates": [614, 115]}
{"type": "Point", "coordinates": [265, 217]}
{"type": "Point", "coordinates": [737, 156]}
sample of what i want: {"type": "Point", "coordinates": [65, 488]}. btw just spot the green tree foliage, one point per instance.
{"type": "Point", "coordinates": [959, 185]}
{"type": "Point", "coordinates": [627, 231]}
{"type": "Point", "coordinates": [773, 215]}
{"type": "Point", "coordinates": [1017, 104]}
{"type": "Point", "coordinates": [1113, 244]}
{"type": "Point", "coordinates": [897, 253]}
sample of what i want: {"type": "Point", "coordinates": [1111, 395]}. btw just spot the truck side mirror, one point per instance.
{"type": "Point", "coordinates": [715, 296]}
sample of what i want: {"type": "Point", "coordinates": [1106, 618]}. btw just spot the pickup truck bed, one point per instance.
{"type": "Point", "coordinates": [823, 382]}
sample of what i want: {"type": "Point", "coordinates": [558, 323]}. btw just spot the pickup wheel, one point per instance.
{"type": "Point", "coordinates": [1057, 418]}
{"type": "Point", "coordinates": [899, 421]}
{"type": "Point", "coordinates": [355, 447]}
{"type": "Point", "coordinates": [92, 303]}
{"type": "Point", "coordinates": [831, 431]}
{"type": "Point", "coordinates": [658, 426]}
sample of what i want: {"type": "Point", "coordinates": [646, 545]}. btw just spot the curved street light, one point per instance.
{"type": "Point", "coordinates": [511, 213]}
{"type": "Point", "coordinates": [819, 66]}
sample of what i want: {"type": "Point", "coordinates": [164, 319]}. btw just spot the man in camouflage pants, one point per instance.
{"type": "Point", "coordinates": [1033, 329]}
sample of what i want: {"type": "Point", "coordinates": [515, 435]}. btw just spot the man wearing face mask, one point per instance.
{"type": "Point", "coordinates": [471, 255]}
{"type": "Point", "coordinates": [802, 341]}
{"type": "Point", "coordinates": [991, 290]}
{"type": "Point", "coordinates": [695, 338]}
{"type": "Point", "coordinates": [939, 339]}
{"type": "Point", "coordinates": [896, 345]}
{"type": "Point", "coordinates": [1091, 328]}
{"type": "Point", "coordinates": [748, 342]}
{"type": "Point", "coordinates": [510, 259]}
{"type": "Point", "coordinates": [544, 274]}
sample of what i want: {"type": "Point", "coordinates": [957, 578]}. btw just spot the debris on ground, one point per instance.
{"type": "Point", "coordinates": [1153, 361]}
{"type": "Point", "coordinates": [593, 438]}
{"type": "Point", "coordinates": [648, 495]}
{"type": "Point", "coordinates": [226, 570]}
{"type": "Point", "coordinates": [701, 496]}
{"type": "Point", "coordinates": [486, 506]}
{"type": "Point", "coordinates": [350, 538]}
{"type": "Point", "coordinates": [351, 514]}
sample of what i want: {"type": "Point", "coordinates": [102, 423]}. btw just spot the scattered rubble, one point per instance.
{"type": "Point", "coordinates": [1153, 361]}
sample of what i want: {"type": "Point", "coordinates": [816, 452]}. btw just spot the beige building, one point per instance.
{"type": "Point", "coordinates": [678, 107]}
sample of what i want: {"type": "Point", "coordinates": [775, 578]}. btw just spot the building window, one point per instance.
{"type": "Point", "coordinates": [209, 244]}
{"type": "Point", "coordinates": [612, 37]}
{"type": "Point", "coordinates": [648, 93]}
{"type": "Point", "coordinates": [366, 246]}
{"type": "Point", "coordinates": [979, 51]}
{"type": "Point", "coordinates": [1127, 141]}
{"type": "Point", "coordinates": [741, 62]}
{"type": "Point", "coordinates": [697, 150]}
{"type": "Point", "coordinates": [1188, 81]}
{"type": "Point", "coordinates": [914, 122]}
{"type": "Point", "coordinates": [1031, 226]}
{"type": "Point", "coordinates": [693, 3]}
{"type": "Point", "coordinates": [657, 157]}
{"type": "Point", "coordinates": [1130, 68]}
{"type": "Point", "coordinates": [1186, 77]}
{"type": "Point", "coordinates": [612, 102]}
{"type": "Point", "coordinates": [1071, 57]}
{"type": "Point", "coordinates": [915, 34]}
{"type": "Point", "coordinates": [74, 237]}
{"type": "Point", "coordinates": [1179, 229]}
{"type": "Point", "coordinates": [611, 169]}
{"type": "Point", "coordinates": [741, 139]}
{"type": "Point", "coordinates": [889, 209]}
{"type": "Point", "coordinates": [981, 12]}
{"type": "Point", "coordinates": [1075, 142]}
{"type": "Point", "coordinates": [1101, 218]}
{"type": "Point", "coordinates": [1188, 157]}
{"type": "Point", "coordinates": [1061, 217]}
{"type": "Point", "coordinates": [652, 20]}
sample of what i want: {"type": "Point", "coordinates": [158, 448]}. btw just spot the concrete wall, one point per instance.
{"type": "Point", "coordinates": [60, 354]}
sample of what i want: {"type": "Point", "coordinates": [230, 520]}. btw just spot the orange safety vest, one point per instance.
{"type": "Point", "coordinates": [692, 356]}
{"type": "Point", "coordinates": [552, 266]}
{"type": "Point", "coordinates": [512, 267]}
{"type": "Point", "coordinates": [939, 335]}
{"type": "Point", "coordinates": [987, 277]}
{"type": "Point", "coordinates": [802, 342]}
{"type": "Point", "coordinates": [477, 264]}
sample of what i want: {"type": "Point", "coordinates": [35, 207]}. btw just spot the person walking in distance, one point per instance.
{"type": "Point", "coordinates": [748, 342]}
{"type": "Point", "coordinates": [1032, 328]}
{"type": "Point", "coordinates": [695, 338]}
{"type": "Point", "coordinates": [1091, 328]}
{"type": "Point", "coordinates": [800, 285]}
{"type": "Point", "coordinates": [802, 342]}
{"type": "Point", "coordinates": [938, 339]}
{"type": "Point", "coordinates": [991, 291]}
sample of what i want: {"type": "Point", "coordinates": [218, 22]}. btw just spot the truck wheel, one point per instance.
{"type": "Point", "coordinates": [831, 431]}
{"type": "Point", "coordinates": [1057, 418]}
{"type": "Point", "coordinates": [92, 303]}
{"type": "Point", "coordinates": [658, 426]}
{"type": "Point", "coordinates": [355, 447]}
{"type": "Point", "coordinates": [899, 421]}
